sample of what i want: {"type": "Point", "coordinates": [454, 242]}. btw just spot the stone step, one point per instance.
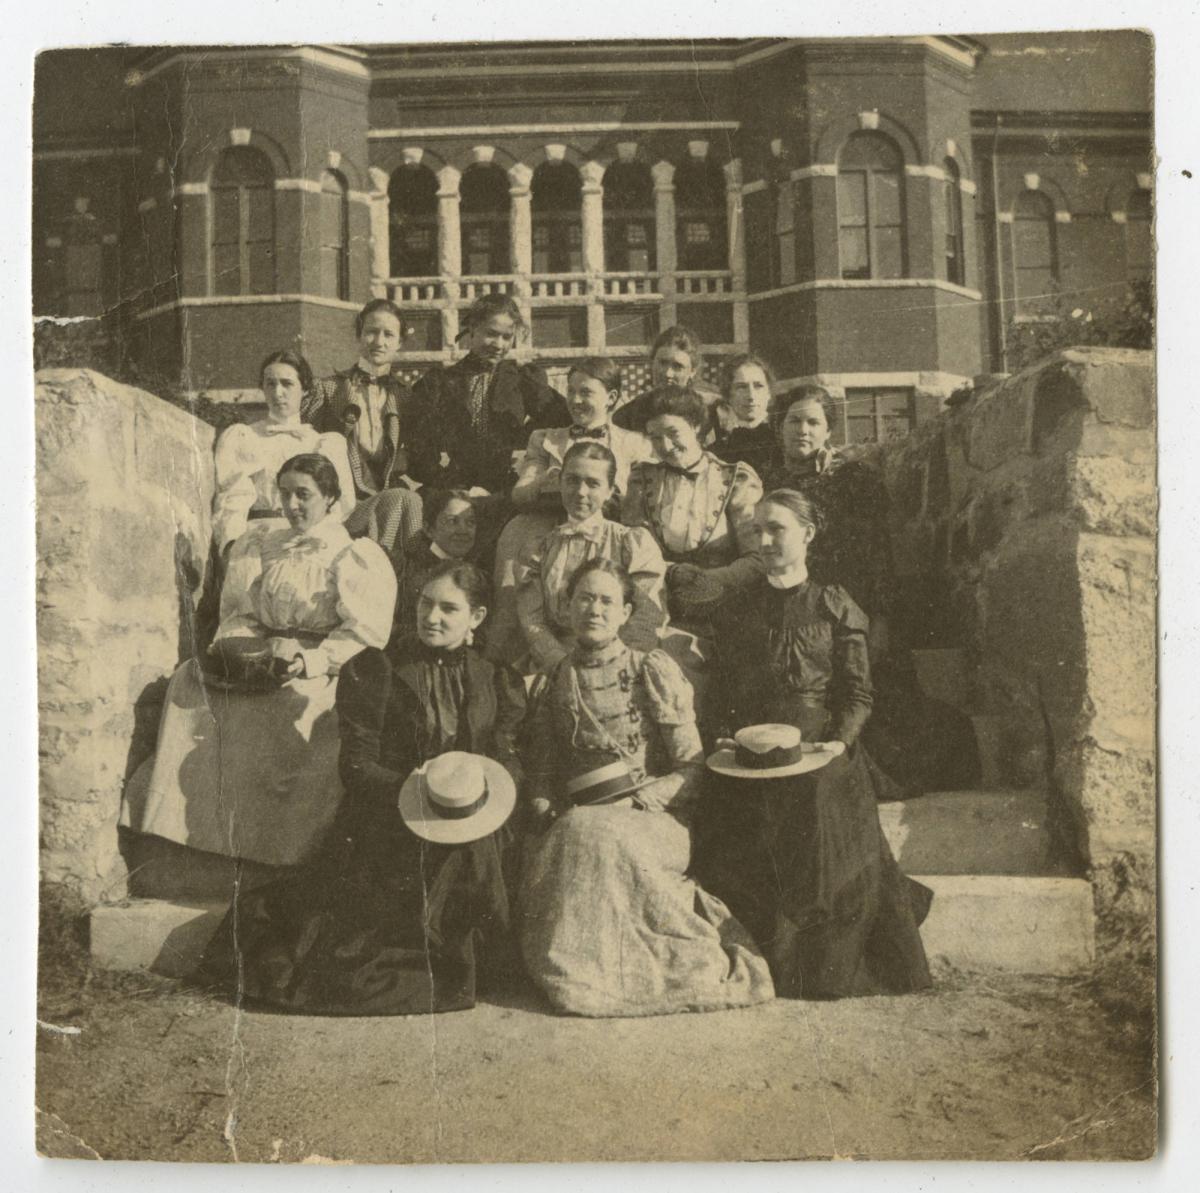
{"type": "Point", "coordinates": [944, 674]}
{"type": "Point", "coordinates": [1028, 925]}
{"type": "Point", "coordinates": [971, 832]}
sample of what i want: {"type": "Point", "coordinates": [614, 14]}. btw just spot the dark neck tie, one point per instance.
{"type": "Point", "coordinates": [585, 433]}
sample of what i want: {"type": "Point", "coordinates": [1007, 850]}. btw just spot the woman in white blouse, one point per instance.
{"type": "Point", "coordinates": [246, 763]}
{"type": "Point", "coordinates": [249, 455]}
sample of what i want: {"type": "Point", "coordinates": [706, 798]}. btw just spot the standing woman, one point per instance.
{"type": "Point", "coordinates": [801, 860]}
{"type": "Point", "coordinates": [246, 761]}
{"type": "Point", "coordinates": [406, 910]}
{"type": "Point", "coordinates": [745, 431]}
{"type": "Point", "coordinates": [608, 923]}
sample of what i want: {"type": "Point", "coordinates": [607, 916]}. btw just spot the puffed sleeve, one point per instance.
{"type": "Point", "coordinates": [233, 465]}
{"type": "Point", "coordinates": [239, 590]}
{"type": "Point", "coordinates": [850, 687]}
{"type": "Point", "coordinates": [363, 691]}
{"type": "Point", "coordinates": [332, 446]}
{"type": "Point", "coordinates": [642, 558]}
{"type": "Point", "coordinates": [543, 644]}
{"type": "Point", "coordinates": [534, 470]}
{"type": "Point", "coordinates": [366, 601]}
{"type": "Point", "coordinates": [669, 696]}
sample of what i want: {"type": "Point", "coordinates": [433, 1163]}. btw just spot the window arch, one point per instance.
{"type": "Point", "coordinates": [1139, 236]}
{"type": "Point", "coordinates": [483, 195]}
{"type": "Point", "coordinates": [335, 235]}
{"type": "Point", "coordinates": [701, 237]}
{"type": "Point", "coordinates": [871, 240]}
{"type": "Point", "coordinates": [413, 222]}
{"type": "Point", "coordinates": [557, 197]}
{"type": "Point", "coordinates": [629, 226]}
{"type": "Point", "coordinates": [956, 262]}
{"type": "Point", "coordinates": [243, 223]}
{"type": "Point", "coordinates": [1035, 251]}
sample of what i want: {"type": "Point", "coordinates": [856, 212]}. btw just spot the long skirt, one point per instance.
{"type": "Point", "coordinates": [803, 863]}
{"type": "Point", "coordinates": [251, 775]}
{"type": "Point", "coordinates": [382, 923]}
{"type": "Point", "coordinates": [609, 925]}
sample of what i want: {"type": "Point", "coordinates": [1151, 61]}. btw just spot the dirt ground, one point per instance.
{"type": "Point", "coordinates": [987, 1066]}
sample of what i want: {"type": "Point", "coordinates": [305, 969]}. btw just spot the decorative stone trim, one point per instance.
{"type": "Point", "coordinates": [147, 205]}
{"type": "Point", "coordinates": [822, 170]}
{"type": "Point", "coordinates": [245, 300]}
{"type": "Point", "coordinates": [240, 136]}
{"type": "Point", "coordinates": [333, 159]}
{"type": "Point", "coordinates": [869, 119]}
{"type": "Point", "coordinates": [1062, 217]}
{"type": "Point", "coordinates": [698, 150]}
{"type": "Point", "coordinates": [933, 383]}
{"type": "Point", "coordinates": [518, 130]}
{"type": "Point", "coordinates": [191, 188]}
{"type": "Point", "coordinates": [868, 284]}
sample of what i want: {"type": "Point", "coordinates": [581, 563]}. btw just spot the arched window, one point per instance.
{"type": "Point", "coordinates": [1035, 253]}
{"type": "Point", "coordinates": [557, 194]}
{"type": "Point", "coordinates": [956, 264]}
{"type": "Point", "coordinates": [871, 208]}
{"type": "Point", "coordinates": [413, 223]}
{"type": "Point", "coordinates": [243, 223]}
{"type": "Point", "coordinates": [484, 215]}
{"type": "Point", "coordinates": [335, 235]}
{"type": "Point", "coordinates": [1139, 236]}
{"type": "Point", "coordinates": [701, 237]}
{"type": "Point", "coordinates": [629, 228]}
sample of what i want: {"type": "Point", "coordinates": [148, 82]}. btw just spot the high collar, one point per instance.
{"type": "Point", "coordinates": [476, 364]}
{"type": "Point", "coordinates": [437, 552]}
{"type": "Point", "coordinates": [588, 656]}
{"type": "Point", "coordinates": [297, 428]}
{"type": "Point", "coordinates": [585, 527]}
{"type": "Point", "coordinates": [365, 367]}
{"type": "Point", "coordinates": [327, 530]}
{"type": "Point", "coordinates": [822, 460]}
{"type": "Point", "coordinates": [693, 471]}
{"type": "Point", "coordinates": [792, 578]}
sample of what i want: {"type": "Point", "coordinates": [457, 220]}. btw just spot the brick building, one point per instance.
{"type": "Point", "coordinates": [872, 213]}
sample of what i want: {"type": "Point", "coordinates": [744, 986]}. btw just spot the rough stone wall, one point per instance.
{"type": "Point", "coordinates": [1024, 523]}
{"type": "Point", "coordinates": [124, 489]}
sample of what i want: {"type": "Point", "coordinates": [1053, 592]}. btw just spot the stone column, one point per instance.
{"type": "Point", "coordinates": [736, 232]}
{"type": "Point", "coordinates": [664, 238]}
{"type": "Point", "coordinates": [449, 250]}
{"type": "Point", "coordinates": [592, 174]}
{"type": "Point", "coordinates": [381, 264]}
{"type": "Point", "coordinates": [520, 234]}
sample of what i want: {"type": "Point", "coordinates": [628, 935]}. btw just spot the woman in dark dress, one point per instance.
{"type": "Point", "coordinates": [801, 861]}
{"type": "Point", "coordinates": [387, 922]}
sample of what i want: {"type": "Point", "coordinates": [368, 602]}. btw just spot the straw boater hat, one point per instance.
{"type": "Point", "coordinates": [457, 797]}
{"type": "Point", "coordinates": [768, 752]}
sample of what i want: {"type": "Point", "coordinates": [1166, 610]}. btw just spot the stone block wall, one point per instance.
{"type": "Point", "coordinates": [1024, 523]}
{"type": "Point", "coordinates": [124, 490]}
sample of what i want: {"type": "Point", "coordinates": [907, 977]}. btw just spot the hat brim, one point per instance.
{"type": "Point", "coordinates": [419, 814]}
{"type": "Point", "coordinates": [724, 762]}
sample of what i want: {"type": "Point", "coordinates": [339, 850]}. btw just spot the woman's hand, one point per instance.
{"type": "Point", "coordinates": [289, 650]}
{"type": "Point", "coordinates": [831, 747]}
{"type": "Point", "coordinates": [542, 814]}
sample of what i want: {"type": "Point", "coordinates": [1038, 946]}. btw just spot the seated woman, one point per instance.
{"type": "Point", "coordinates": [699, 510]}
{"type": "Point", "coordinates": [608, 923]}
{"type": "Point", "coordinates": [406, 910]}
{"type": "Point", "coordinates": [801, 860]}
{"type": "Point", "coordinates": [745, 432]}
{"type": "Point", "coordinates": [587, 485]}
{"type": "Point", "coordinates": [248, 773]}
{"type": "Point", "coordinates": [248, 455]}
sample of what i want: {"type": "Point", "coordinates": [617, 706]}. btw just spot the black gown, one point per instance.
{"type": "Point", "coordinates": [384, 922]}
{"type": "Point", "coordinates": [802, 861]}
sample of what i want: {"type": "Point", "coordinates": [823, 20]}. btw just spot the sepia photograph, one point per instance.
{"type": "Point", "coordinates": [597, 600]}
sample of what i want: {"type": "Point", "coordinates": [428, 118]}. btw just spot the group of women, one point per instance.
{"type": "Point", "coordinates": [521, 688]}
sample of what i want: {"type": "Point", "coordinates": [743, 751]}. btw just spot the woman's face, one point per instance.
{"type": "Point", "coordinates": [782, 538]}
{"type": "Point", "coordinates": [671, 366]}
{"type": "Point", "coordinates": [379, 340]}
{"type": "Point", "coordinates": [804, 430]}
{"type": "Point", "coordinates": [454, 528]}
{"type": "Point", "coordinates": [444, 614]}
{"type": "Point", "coordinates": [585, 487]}
{"type": "Point", "coordinates": [304, 505]}
{"type": "Point", "coordinates": [750, 394]}
{"type": "Point", "coordinates": [598, 609]}
{"type": "Point", "coordinates": [492, 341]}
{"type": "Point", "coordinates": [588, 401]}
{"type": "Point", "coordinates": [675, 440]}
{"type": "Point", "coordinates": [282, 390]}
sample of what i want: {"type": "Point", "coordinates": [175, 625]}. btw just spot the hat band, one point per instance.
{"type": "Point", "coordinates": [455, 811]}
{"type": "Point", "coordinates": [769, 759]}
{"type": "Point", "coordinates": [602, 785]}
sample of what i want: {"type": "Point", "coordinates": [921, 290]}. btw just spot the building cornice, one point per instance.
{"type": "Point", "coordinates": [566, 129]}
{"type": "Point", "coordinates": [867, 284]}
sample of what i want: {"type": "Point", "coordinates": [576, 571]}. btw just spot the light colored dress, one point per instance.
{"type": "Point", "coordinates": [254, 774]}
{"type": "Point", "coordinates": [608, 923]}
{"type": "Point", "coordinates": [248, 457]}
{"type": "Point", "coordinates": [545, 568]}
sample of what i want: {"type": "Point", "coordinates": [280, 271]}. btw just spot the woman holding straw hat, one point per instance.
{"type": "Point", "coordinates": [408, 906]}
{"type": "Point", "coordinates": [609, 925]}
{"type": "Point", "coordinates": [790, 837]}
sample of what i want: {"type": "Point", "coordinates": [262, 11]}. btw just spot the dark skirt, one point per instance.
{"type": "Point", "coordinates": [804, 865]}
{"type": "Point", "coordinates": [382, 924]}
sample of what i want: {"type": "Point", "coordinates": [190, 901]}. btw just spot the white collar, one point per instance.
{"type": "Point", "coordinates": [585, 525]}
{"type": "Point", "coordinates": [792, 578]}
{"type": "Point", "coordinates": [437, 552]}
{"type": "Point", "coordinates": [370, 370]}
